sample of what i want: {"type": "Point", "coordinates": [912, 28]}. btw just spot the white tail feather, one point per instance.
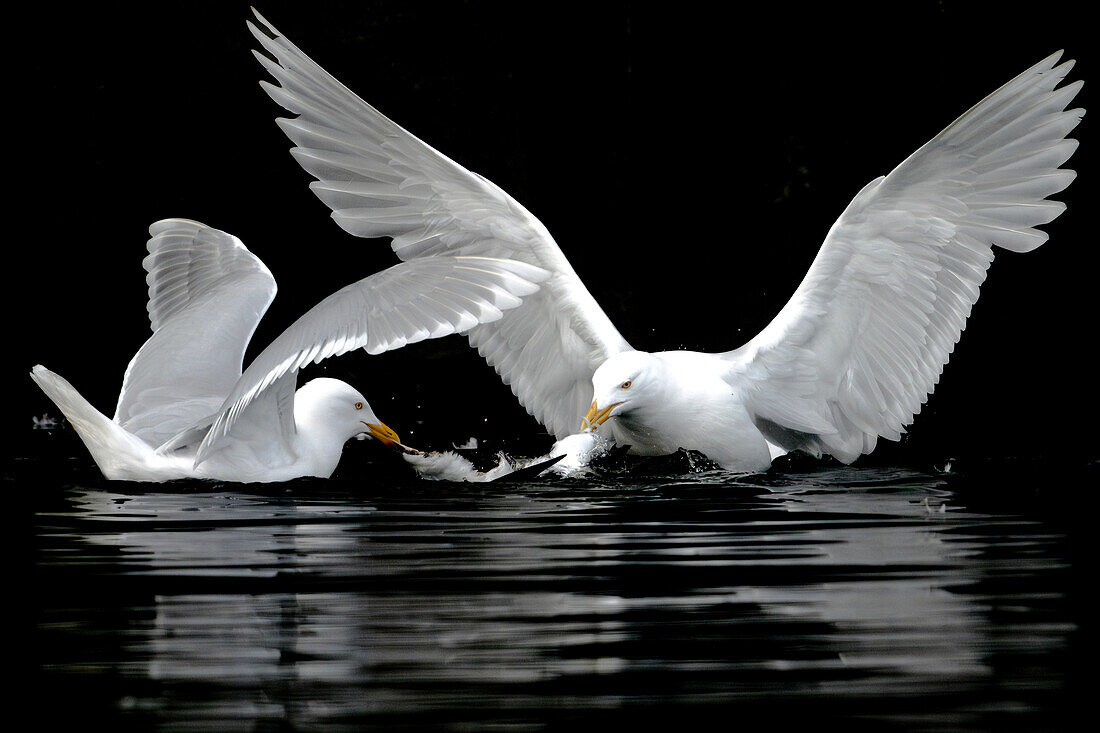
{"type": "Point", "coordinates": [112, 448]}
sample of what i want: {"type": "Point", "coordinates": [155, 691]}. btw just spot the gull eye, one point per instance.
{"type": "Point", "coordinates": [625, 385]}
{"type": "Point", "coordinates": [358, 405]}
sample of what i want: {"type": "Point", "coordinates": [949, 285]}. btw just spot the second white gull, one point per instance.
{"type": "Point", "coordinates": [186, 410]}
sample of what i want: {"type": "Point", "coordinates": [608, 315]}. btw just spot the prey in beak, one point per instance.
{"type": "Point", "coordinates": [596, 417]}
{"type": "Point", "coordinates": [382, 433]}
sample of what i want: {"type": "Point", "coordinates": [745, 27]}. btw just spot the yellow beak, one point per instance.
{"type": "Point", "coordinates": [596, 417]}
{"type": "Point", "coordinates": [382, 432]}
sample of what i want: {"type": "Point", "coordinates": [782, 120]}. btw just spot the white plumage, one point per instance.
{"type": "Point", "coordinates": [850, 358]}
{"type": "Point", "coordinates": [187, 410]}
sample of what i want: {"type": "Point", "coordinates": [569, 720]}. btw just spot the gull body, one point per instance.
{"type": "Point", "coordinates": [850, 358]}
{"type": "Point", "coordinates": [676, 399]}
{"type": "Point", "coordinates": [186, 410]}
{"type": "Point", "coordinates": [327, 413]}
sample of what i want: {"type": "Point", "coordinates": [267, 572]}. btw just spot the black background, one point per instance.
{"type": "Point", "coordinates": [688, 160]}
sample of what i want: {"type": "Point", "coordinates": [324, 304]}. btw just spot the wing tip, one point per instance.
{"type": "Point", "coordinates": [262, 21]}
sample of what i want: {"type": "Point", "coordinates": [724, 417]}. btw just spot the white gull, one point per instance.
{"type": "Point", "coordinates": [852, 356]}
{"type": "Point", "coordinates": [187, 410]}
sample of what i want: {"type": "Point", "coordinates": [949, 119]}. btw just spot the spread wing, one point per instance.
{"type": "Point", "coordinates": [406, 303]}
{"type": "Point", "coordinates": [381, 181]}
{"type": "Point", "coordinates": [856, 351]}
{"type": "Point", "coordinates": [207, 293]}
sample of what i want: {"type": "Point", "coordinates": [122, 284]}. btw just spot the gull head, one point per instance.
{"type": "Point", "coordinates": [625, 383]}
{"type": "Point", "coordinates": [338, 408]}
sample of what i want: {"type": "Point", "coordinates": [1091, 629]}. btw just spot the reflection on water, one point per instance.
{"type": "Point", "coordinates": [870, 595]}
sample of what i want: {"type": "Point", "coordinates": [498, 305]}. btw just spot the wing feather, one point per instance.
{"type": "Point", "coordinates": [207, 294]}
{"type": "Point", "coordinates": [403, 304]}
{"type": "Point", "coordinates": [381, 181]}
{"type": "Point", "coordinates": [859, 347]}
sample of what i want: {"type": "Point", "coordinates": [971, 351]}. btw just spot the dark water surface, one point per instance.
{"type": "Point", "coordinates": [875, 596]}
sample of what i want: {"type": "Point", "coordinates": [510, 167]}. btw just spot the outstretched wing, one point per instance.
{"type": "Point", "coordinates": [406, 303]}
{"type": "Point", "coordinates": [381, 181]}
{"type": "Point", "coordinates": [861, 344]}
{"type": "Point", "coordinates": [207, 293]}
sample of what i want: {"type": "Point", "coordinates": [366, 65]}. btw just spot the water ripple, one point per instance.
{"type": "Point", "coordinates": [859, 594]}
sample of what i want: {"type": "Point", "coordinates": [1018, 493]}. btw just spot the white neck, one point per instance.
{"type": "Point", "coordinates": [318, 443]}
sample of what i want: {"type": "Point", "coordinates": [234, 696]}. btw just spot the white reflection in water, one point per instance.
{"type": "Point", "coordinates": [912, 624]}
{"type": "Point", "coordinates": [822, 575]}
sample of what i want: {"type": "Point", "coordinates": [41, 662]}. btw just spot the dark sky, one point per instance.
{"type": "Point", "coordinates": [688, 163]}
